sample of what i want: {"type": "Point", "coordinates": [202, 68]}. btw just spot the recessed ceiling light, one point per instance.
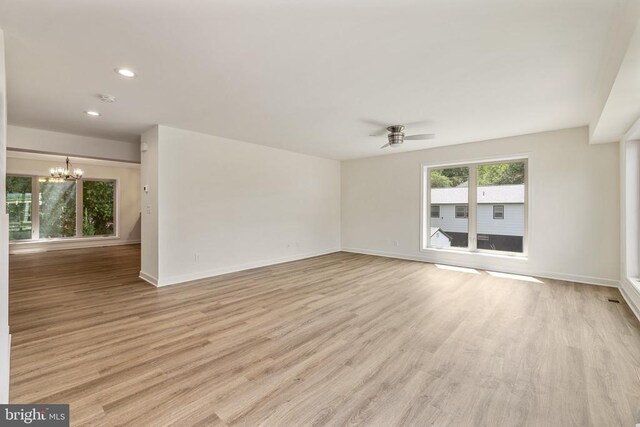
{"type": "Point", "coordinates": [92, 113]}
{"type": "Point", "coordinates": [125, 72]}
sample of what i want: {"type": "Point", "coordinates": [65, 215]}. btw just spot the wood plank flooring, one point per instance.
{"type": "Point", "coordinates": [341, 339]}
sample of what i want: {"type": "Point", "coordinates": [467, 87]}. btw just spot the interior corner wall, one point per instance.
{"type": "Point", "coordinates": [574, 206]}
{"type": "Point", "coordinates": [227, 205]}
{"type": "Point", "coordinates": [5, 338]}
{"type": "Point", "coordinates": [149, 205]}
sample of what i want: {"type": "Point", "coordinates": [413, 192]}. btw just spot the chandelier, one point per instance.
{"type": "Point", "coordinates": [65, 172]}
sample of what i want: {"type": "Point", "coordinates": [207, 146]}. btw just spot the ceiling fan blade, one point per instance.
{"type": "Point", "coordinates": [375, 123]}
{"type": "Point", "coordinates": [416, 124]}
{"type": "Point", "coordinates": [419, 137]}
{"type": "Point", "coordinates": [385, 145]}
{"type": "Point", "coordinates": [382, 128]}
{"type": "Point", "coordinates": [380, 132]}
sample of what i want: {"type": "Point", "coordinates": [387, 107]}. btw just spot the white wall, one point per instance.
{"type": "Point", "coordinates": [127, 202]}
{"type": "Point", "coordinates": [149, 178]}
{"type": "Point", "coordinates": [630, 223]}
{"type": "Point", "coordinates": [573, 194]}
{"type": "Point", "coordinates": [227, 205]}
{"type": "Point", "coordinates": [44, 141]}
{"type": "Point", "coordinates": [5, 338]}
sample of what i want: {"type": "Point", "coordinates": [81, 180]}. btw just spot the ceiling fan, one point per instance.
{"type": "Point", "coordinates": [396, 136]}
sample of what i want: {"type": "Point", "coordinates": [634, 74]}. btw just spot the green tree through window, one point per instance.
{"type": "Point", "coordinates": [97, 203]}
{"type": "Point", "coordinates": [19, 207]}
{"type": "Point", "coordinates": [494, 174]}
{"type": "Point", "coordinates": [54, 207]}
{"type": "Point", "coordinates": [57, 207]}
{"type": "Point", "coordinates": [501, 174]}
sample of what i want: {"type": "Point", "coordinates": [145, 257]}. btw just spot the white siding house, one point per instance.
{"type": "Point", "coordinates": [439, 238]}
{"type": "Point", "coordinates": [500, 211]}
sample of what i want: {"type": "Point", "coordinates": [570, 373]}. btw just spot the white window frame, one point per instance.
{"type": "Point", "coordinates": [431, 211]}
{"type": "Point", "coordinates": [501, 211]}
{"type": "Point", "coordinates": [35, 212]}
{"type": "Point", "coordinates": [465, 215]}
{"type": "Point", "coordinates": [425, 206]}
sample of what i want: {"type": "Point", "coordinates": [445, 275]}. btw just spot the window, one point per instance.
{"type": "Point", "coordinates": [435, 211]}
{"type": "Point", "coordinates": [62, 209]}
{"type": "Point", "coordinates": [57, 208]}
{"type": "Point", "coordinates": [19, 197]}
{"type": "Point", "coordinates": [450, 192]}
{"type": "Point", "coordinates": [98, 208]}
{"type": "Point", "coordinates": [482, 206]}
{"type": "Point", "coordinates": [462, 211]}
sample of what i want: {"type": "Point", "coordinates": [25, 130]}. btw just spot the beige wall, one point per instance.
{"type": "Point", "coordinates": [574, 224]}
{"type": "Point", "coordinates": [128, 199]}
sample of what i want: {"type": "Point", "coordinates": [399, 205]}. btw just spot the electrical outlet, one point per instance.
{"type": "Point", "coordinates": [395, 243]}
{"type": "Point", "coordinates": [196, 257]}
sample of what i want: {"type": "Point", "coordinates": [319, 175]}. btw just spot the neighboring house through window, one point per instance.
{"type": "Point", "coordinates": [478, 206]}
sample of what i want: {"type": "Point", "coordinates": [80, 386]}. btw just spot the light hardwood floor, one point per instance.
{"type": "Point", "coordinates": [334, 340]}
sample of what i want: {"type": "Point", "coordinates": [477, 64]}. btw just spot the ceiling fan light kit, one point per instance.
{"type": "Point", "coordinates": [396, 136]}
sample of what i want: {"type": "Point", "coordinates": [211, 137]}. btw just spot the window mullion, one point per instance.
{"type": "Point", "coordinates": [426, 234]}
{"type": "Point", "coordinates": [79, 208]}
{"type": "Point", "coordinates": [473, 208]}
{"type": "Point", "coordinates": [35, 208]}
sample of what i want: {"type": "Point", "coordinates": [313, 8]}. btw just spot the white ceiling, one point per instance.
{"type": "Point", "coordinates": [307, 75]}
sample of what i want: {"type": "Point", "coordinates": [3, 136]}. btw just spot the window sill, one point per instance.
{"type": "Point", "coordinates": [518, 257]}
{"type": "Point", "coordinates": [62, 240]}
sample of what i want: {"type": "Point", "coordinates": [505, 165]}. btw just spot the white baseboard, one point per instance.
{"type": "Point", "coordinates": [148, 278]}
{"type": "Point", "coordinates": [600, 281]}
{"type": "Point", "coordinates": [631, 295]}
{"type": "Point", "coordinates": [35, 247]}
{"type": "Point", "coordinates": [174, 280]}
